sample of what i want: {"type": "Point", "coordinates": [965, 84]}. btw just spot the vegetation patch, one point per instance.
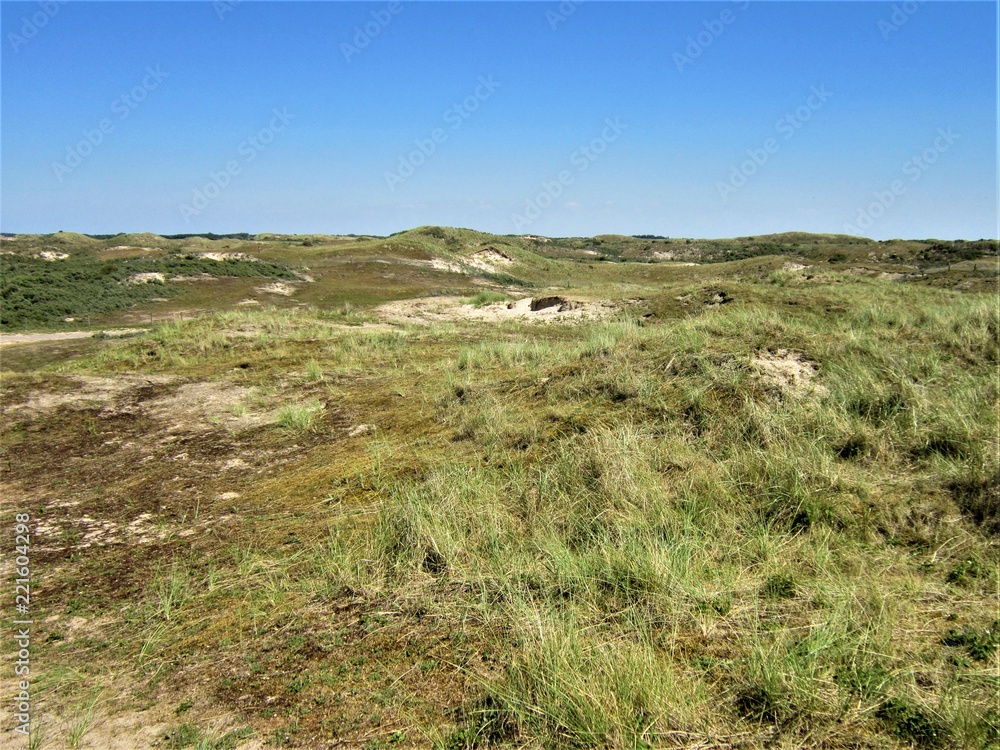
{"type": "Point", "coordinates": [979, 499]}
{"type": "Point", "coordinates": [913, 724]}
{"type": "Point", "coordinates": [980, 645]}
{"type": "Point", "coordinates": [37, 292]}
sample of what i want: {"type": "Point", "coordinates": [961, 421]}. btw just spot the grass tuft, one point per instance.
{"type": "Point", "coordinates": [298, 417]}
{"type": "Point", "coordinates": [486, 298]}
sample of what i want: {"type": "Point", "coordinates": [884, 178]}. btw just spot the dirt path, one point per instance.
{"type": "Point", "coordinates": [32, 338]}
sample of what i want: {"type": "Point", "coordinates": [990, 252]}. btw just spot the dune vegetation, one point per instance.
{"type": "Point", "coordinates": [755, 502]}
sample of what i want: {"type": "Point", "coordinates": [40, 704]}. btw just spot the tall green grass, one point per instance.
{"type": "Point", "coordinates": [681, 553]}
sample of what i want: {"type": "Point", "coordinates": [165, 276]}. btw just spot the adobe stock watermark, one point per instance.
{"type": "Point", "coordinates": [248, 150]}
{"type": "Point", "coordinates": [455, 116]}
{"type": "Point", "coordinates": [712, 30]}
{"type": "Point", "coordinates": [581, 158]}
{"type": "Point", "coordinates": [787, 126]}
{"type": "Point", "coordinates": [32, 24]}
{"type": "Point", "coordinates": [224, 7]}
{"type": "Point", "coordinates": [23, 620]}
{"type": "Point", "coordinates": [901, 13]}
{"type": "Point", "coordinates": [363, 35]}
{"type": "Point", "coordinates": [915, 167]}
{"type": "Point", "coordinates": [122, 106]}
{"type": "Point", "coordinates": [562, 12]}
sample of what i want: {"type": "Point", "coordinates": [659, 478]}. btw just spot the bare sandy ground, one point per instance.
{"type": "Point", "coordinates": [790, 372]}
{"type": "Point", "coordinates": [542, 309]}
{"type": "Point", "coordinates": [34, 338]}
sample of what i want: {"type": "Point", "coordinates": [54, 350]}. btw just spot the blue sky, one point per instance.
{"type": "Point", "coordinates": [682, 119]}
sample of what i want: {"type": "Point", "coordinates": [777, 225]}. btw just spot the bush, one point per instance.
{"type": "Point", "coordinates": [37, 292]}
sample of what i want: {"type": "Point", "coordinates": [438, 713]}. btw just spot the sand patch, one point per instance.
{"type": "Point", "coordinates": [85, 531]}
{"type": "Point", "coordinates": [360, 429]}
{"type": "Point", "coordinates": [444, 265]}
{"type": "Point", "coordinates": [189, 408]}
{"type": "Point", "coordinates": [718, 298]}
{"type": "Point", "coordinates": [203, 407]}
{"type": "Point", "coordinates": [88, 392]}
{"type": "Point", "coordinates": [99, 533]}
{"type": "Point", "coordinates": [228, 256]}
{"type": "Point", "coordinates": [145, 278]}
{"type": "Point", "coordinates": [489, 259]}
{"type": "Point", "coordinates": [75, 627]}
{"type": "Point", "coordinates": [789, 372]}
{"type": "Point", "coordinates": [669, 256]}
{"type": "Point", "coordinates": [32, 338]}
{"type": "Point", "coordinates": [196, 277]}
{"type": "Point", "coordinates": [113, 728]}
{"type": "Point", "coordinates": [543, 309]}
{"type": "Point", "coordinates": [283, 288]}
{"type": "Point", "coordinates": [52, 255]}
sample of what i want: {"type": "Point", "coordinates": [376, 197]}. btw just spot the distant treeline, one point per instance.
{"type": "Point", "coordinates": [211, 236]}
{"type": "Point", "coordinates": [206, 235]}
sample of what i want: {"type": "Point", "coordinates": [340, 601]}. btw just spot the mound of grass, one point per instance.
{"type": "Point", "coordinates": [779, 586]}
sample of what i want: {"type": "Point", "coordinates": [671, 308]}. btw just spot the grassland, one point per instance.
{"type": "Point", "coordinates": [67, 281]}
{"type": "Point", "coordinates": [758, 506]}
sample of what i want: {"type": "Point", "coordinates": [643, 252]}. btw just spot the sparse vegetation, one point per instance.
{"type": "Point", "coordinates": [486, 298]}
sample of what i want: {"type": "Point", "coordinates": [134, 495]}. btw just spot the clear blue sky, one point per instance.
{"type": "Point", "coordinates": [888, 90]}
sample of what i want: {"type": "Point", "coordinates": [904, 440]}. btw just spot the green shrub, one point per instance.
{"type": "Point", "coordinates": [36, 292]}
